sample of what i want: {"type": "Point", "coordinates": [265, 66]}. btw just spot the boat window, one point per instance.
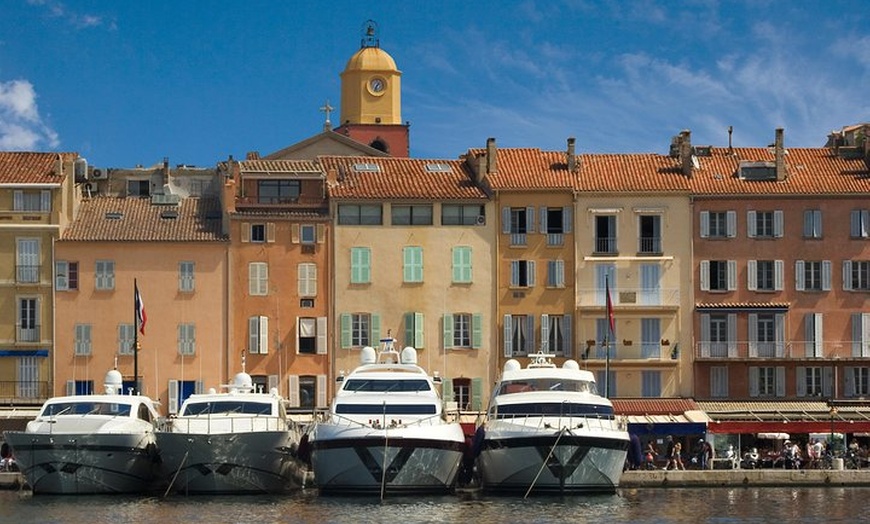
{"type": "Point", "coordinates": [553, 409]}
{"type": "Point", "coordinates": [144, 414]}
{"type": "Point", "coordinates": [87, 408]}
{"type": "Point", "coordinates": [383, 386]}
{"type": "Point", "coordinates": [385, 409]}
{"type": "Point", "coordinates": [547, 384]}
{"type": "Point", "coordinates": [228, 406]}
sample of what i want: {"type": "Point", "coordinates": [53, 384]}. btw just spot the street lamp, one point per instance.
{"type": "Point", "coordinates": [833, 413]}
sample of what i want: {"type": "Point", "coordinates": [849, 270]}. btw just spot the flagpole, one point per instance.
{"type": "Point", "coordinates": [135, 339]}
{"type": "Point", "coordinates": [609, 313]}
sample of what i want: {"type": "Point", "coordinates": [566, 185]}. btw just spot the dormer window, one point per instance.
{"type": "Point", "coordinates": [757, 171]}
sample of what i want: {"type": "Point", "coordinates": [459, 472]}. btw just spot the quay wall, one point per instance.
{"type": "Point", "coordinates": [744, 477]}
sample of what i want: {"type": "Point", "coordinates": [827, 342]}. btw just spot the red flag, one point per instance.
{"type": "Point", "coordinates": [609, 306]}
{"type": "Point", "coordinates": [141, 317]}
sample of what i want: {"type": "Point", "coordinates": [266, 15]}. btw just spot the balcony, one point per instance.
{"type": "Point", "coordinates": [27, 274]}
{"type": "Point", "coordinates": [27, 333]}
{"type": "Point", "coordinates": [639, 298]}
{"type": "Point", "coordinates": [14, 392]}
{"type": "Point", "coordinates": [789, 350]}
{"type": "Point", "coordinates": [650, 246]}
{"type": "Point", "coordinates": [518, 239]}
{"type": "Point", "coordinates": [605, 246]}
{"type": "Point", "coordinates": [555, 239]}
{"type": "Point", "coordinates": [279, 202]}
{"type": "Point", "coordinates": [627, 351]}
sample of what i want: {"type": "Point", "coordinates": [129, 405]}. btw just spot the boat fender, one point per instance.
{"type": "Point", "coordinates": [477, 442]}
{"type": "Point", "coordinates": [303, 452]}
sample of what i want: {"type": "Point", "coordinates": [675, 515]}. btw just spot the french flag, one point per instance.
{"type": "Point", "coordinates": [141, 317]}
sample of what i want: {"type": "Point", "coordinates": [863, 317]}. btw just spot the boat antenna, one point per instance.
{"type": "Point", "coordinates": [243, 361]}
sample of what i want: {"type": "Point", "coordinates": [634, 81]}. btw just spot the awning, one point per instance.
{"type": "Point", "coordinates": [677, 425]}
{"type": "Point", "coordinates": [661, 416]}
{"type": "Point", "coordinates": [23, 352]}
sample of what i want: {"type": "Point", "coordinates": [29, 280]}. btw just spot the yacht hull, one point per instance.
{"type": "Point", "coordinates": [87, 463]}
{"type": "Point", "coordinates": [352, 461]}
{"type": "Point", "coordinates": [551, 461]}
{"type": "Point", "coordinates": [254, 462]}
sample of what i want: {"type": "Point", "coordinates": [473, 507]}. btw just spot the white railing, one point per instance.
{"type": "Point", "coordinates": [629, 297]}
{"type": "Point", "coordinates": [793, 349]}
{"type": "Point", "coordinates": [227, 424]}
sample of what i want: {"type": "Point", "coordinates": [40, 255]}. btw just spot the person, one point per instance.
{"type": "Point", "coordinates": [702, 453]}
{"type": "Point", "coordinates": [669, 453]}
{"type": "Point", "coordinates": [635, 454]}
{"type": "Point", "coordinates": [677, 457]}
{"type": "Point", "coordinates": [710, 453]}
{"type": "Point", "coordinates": [650, 455]}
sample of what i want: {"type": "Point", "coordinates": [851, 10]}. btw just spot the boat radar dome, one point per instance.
{"type": "Point", "coordinates": [368, 355]}
{"type": "Point", "coordinates": [571, 364]}
{"type": "Point", "coordinates": [114, 382]}
{"type": "Point", "coordinates": [242, 381]}
{"type": "Point", "coordinates": [409, 355]}
{"type": "Point", "coordinates": [512, 365]}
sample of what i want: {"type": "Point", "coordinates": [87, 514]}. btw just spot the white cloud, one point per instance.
{"type": "Point", "coordinates": [21, 127]}
{"type": "Point", "coordinates": [79, 21]}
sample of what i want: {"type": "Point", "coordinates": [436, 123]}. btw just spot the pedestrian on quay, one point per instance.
{"type": "Point", "coordinates": [669, 453]}
{"type": "Point", "coordinates": [678, 459]}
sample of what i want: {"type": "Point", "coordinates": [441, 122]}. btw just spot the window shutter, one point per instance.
{"type": "Point", "coordinates": [753, 382]}
{"type": "Point", "coordinates": [376, 328]}
{"type": "Point", "coordinates": [731, 223]}
{"type": "Point", "coordinates": [799, 275]}
{"type": "Point", "coordinates": [246, 232]}
{"type": "Point", "coordinates": [530, 334]}
{"type": "Point", "coordinates": [530, 272]}
{"type": "Point", "coordinates": [777, 223]}
{"type": "Point", "coordinates": [849, 381]}
{"type": "Point", "coordinates": [476, 331]}
{"type": "Point", "coordinates": [750, 224]}
{"type": "Point", "coordinates": [264, 335]}
{"type": "Point", "coordinates": [752, 275]}
{"type": "Point", "coordinates": [779, 373]}
{"type": "Point", "coordinates": [705, 335]}
{"type": "Point", "coordinates": [321, 335]}
{"type": "Point", "coordinates": [567, 219]}
{"type": "Point", "coordinates": [293, 393]}
{"type": "Point", "coordinates": [847, 275]}
{"type": "Point", "coordinates": [826, 275]}
{"type": "Point", "coordinates": [705, 275]}
{"type": "Point", "coordinates": [253, 334]}
{"type": "Point", "coordinates": [272, 382]}
{"type": "Point", "coordinates": [321, 391]}
{"type": "Point", "coordinates": [18, 200]}
{"type": "Point", "coordinates": [294, 234]}
{"type": "Point", "coordinates": [530, 219]}
{"type": "Point", "coordinates": [321, 233]}
{"type": "Point", "coordinates": [731, 276]}
{"type": "Point", "coordinates": [778, 275]}
{"type": "Point", "coordinates": [545, 333]}
{"type": "Point", "coordinates": [543, 220]}
{"type": "Point", "coordinates": [477, 394]}
{"type": "Point", "coordinates": [569, 337]}
{"type": "Point", "coordinates": [270, 232]}
{"type": "Point", "coordinates": [779, 326]}
{"type": "Point", "coordinates": [344, 320]}
{"type": "Point", "coordinates": [515, 273]}
{"type": "Point", "coordinates": [506, 220]}
{"type": "Point", "coordinates": [801, 381]}
{"type": "Point", "coordinates": [172, 408]}
{"type": "Point", "coordinates": [508, 342]}
{"type": "Point", "coordinates": [705, 224]}
{"type": "Point", "coordinates": [827, 381]}
{"type": "Point", "coordinates": [447, 331]}
{"type": "Point", "coordinates": [731, 326]}
{"type": "Point", "coordinates": [753, 335]}
{"type": "Point", "coordinates": [70, 387]}
{"type": "Point", "coordinates": [45, 200]}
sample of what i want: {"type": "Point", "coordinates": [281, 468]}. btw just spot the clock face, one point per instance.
{"type": "Point", "coordinates": [377, 85]}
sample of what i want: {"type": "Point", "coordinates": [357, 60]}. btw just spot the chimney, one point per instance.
{"type": "Point", "coordinates": [572, 158]}
{"type": "Point", "coordinates": [866, 133]}
{"type": "Point", "coordinates": [165, 171]}
{"type": "Point", "coordinates": [686, 153]}
{"type": "Point", "coordinates": [491, 153]}
{"type": "Point", "coordinates": [779, 156]}
{"type": "Point", "coordinates": [252, 155]}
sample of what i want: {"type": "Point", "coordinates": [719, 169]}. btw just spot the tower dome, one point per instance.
{"type": "Point", "coordinates": [371, 59]}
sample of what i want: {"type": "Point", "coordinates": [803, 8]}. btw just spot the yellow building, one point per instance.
{"type": "Point", "coordinates": [37, 202]}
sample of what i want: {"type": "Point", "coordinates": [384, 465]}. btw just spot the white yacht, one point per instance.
{"type": "Point", "coordinates": [547, 429]}
{"type": "Point", "coordinates": [236, 441]}
{"type": "Point", "coordinates": [90, 444]}
{"type": "Point", "coordinates": [386, 431]}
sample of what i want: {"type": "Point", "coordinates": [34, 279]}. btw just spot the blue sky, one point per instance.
{"type": "Point", "coordinates": [126, 83]}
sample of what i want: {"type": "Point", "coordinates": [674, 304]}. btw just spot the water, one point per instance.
{"type": "Point", "coordinates": [658, 505]}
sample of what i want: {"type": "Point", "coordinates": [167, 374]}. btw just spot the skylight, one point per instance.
{"type": "Point", "coordinates": [367, 168]}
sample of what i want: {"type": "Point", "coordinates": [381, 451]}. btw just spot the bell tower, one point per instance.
{"type": "Point", "coordinates": [371, 98]}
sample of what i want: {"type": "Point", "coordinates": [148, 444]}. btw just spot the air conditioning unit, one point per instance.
{"type": "Point", "coordinates": [99, 174]}
{"type": "Point", "coordinates": [91, 188]}
{"type": "Point", "coordinates": [481, 220]}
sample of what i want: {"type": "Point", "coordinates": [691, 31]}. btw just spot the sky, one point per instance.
{"type": "Point", "coordinates": [127, 83]}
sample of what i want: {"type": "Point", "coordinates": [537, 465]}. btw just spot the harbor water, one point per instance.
{"type": "Point", "coordinates": [654, 505]}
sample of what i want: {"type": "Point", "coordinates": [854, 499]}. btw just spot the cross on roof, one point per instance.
{"type": "Point", "coordinates": [326, 108]}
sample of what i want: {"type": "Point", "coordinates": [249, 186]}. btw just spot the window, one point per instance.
{"type": "Point", "coordinates": [105, 275]}
{"type": "Point", "coordinates": [186, 339]}
{"type": "Point", "coordinates": [28, 320]}
{"type": "Point", "coordinates": [28, 260]}
{"type": "Point", "coordinates": [812, 275]}
{"type": "Point", "coordinates": [650, 384]}
{"type": "Point", "coordinates": [650, 338]}
{"type": "Point", "coordinates": [412, 264]}
{"type": "Point", "coordinates": [518, 222]}
{"type": "Point", "coordinates": [360, 265]}
{"type": "Point", "coordinates": [28, 378]}
{"type": "Point", "coordinates": [311, 334]}
{"type": "Point", "coordinates": [258, 335]}
{"type": "Point", "coordinates": [766, 335]}
{"type": "Point", "coordinates": [718, 224]}
{"type": "Point", "coordinates": [813, 332]}
{"type": "Point", "coordinates": [765, 275]}
{"type": "Point", "coordinates": [258, 232]}
{"type": "Point", "coordinates": [138, 187]}
{"type": "Point", "coordinates": [764, 224]}
{"type": "Point", "coordinates": [307, 234]}
{"type": "Point", "coordinates": [519, 333]}
{"type": "Point", "coordinates": [462, 392]}
{"type": "Point", "coordinates": [185, 276]}
{"type": "Point", "coordinates": [556, 334]}
{"type": "Point", "coordinates": [650, 285]}
{"type": "Point", "coordinates": [857, 381]}
{"type": "Point", "coordinates": [82, 341]}
{"type": "Point", "coordinates": [650, 241]}
{"type": "Point", "coordinates": [718, 275]}
{"type": "Point", "coordinates": [307, 279]}
{"type": "Point", "coordinates": [719, 381]}
{"type": "Point", "coordinates": [258, 279]}
{"type": "Point", "coordinates": [811, 382]}
{"type": "Point", "coordinates": [278, 191]}
{"type": "Point", "coordinates": [856, 275]}
{"type": "Point", "coordinates": [462, 331]}
{"type": "Point", "coordinates": [31, 200]}
{"type": "Point", "coordinates": [522, 273]}
{"type": "Point", "coordinates": [411, 215]}
{"type": "Point", "coordinates": [126, 338]}
{"type": "Point", "coordinates": [360, 215]}
{"type": "Point", "coordinates": [764, 380]}
{"type": "Point", "coordinates": [462, 215]}
{"type": "Point", "coordinates": [66, 275]}
{"type": "Point", "coordinates": [461, 272]}
{"type": "Point", "coordinates": [861, 335]}
{"type": "Point", "coordinates": [360, 334]}
{"type": "Point", "coordinates": [307, 391]}
{"type": "Point", "coordinates": [812, 223]}
{"type": "Point", "coordinates": [860, 223]}
{"type": "Point", "coordinates": [556, 273]}
{"type": "Point", "coordinates": [718, 335]}
{"type": "Point", "coordinates": [605, 234]}
{"type": "Point", "coordinates": [555, 223]}
{"type": "Point", "coordinates": [80, 387]}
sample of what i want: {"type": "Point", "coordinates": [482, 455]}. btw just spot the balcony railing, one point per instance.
{"type": "Point", "coordinates": [650, 245]}
{"type": "Point", "coordinates": [636, 297]}
{"type": "Point", "coordinates": [605, 245]}
{"type": "Point", "coordinates": [27, 274]}
{"type": "Point", "coordinates": [23, 392]}
{"type": "Point", "coordinates": [27, 334]}
{"type": "Point", "coordinates": [518, 239]}
{"type": "Point", "coordinates": [300, 201]}
{"type": "Point", "coordinates": [555, 239]}
{"type": "Point", "coordinates": [787, 350]}
{"type": "Point", "coordinates": [621, 350]}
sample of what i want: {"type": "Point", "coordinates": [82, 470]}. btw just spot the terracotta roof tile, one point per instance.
{"type": "Point", "coordinates": [279, 166]}
{"type": "Point", "coordinates": [653, 406]}
{"type": "Point", "coordinates": [198, 220]}
{"type": "Point", "coordinates": [528, 169]}
{"type": "Point", "coordinates": [31, 168]}
{"type": "Point", "coordinates": [400, 179]}
{"type": "Point", "coordinates": [631, 173]}
{"type": "Point", "coordinates": [742, 305]}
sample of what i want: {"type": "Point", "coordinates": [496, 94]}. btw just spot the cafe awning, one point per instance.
{"type": "Point", "coordinates": [677, 417]}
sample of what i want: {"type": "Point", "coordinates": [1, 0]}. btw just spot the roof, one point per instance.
{"type": "Point", "coordinates": [269, 166]}
{"type": "Point", "coordinates": [327, 142]}
{"type": "Point", "coordinates": [134, 219]}
{"type": "Point", "coordinates": [644, 172]}
{"type": "Point", "coordinates": [31, 167]}
{"type": "Point", "coordinates": [528, 168]}
{"type": "Point", "coordinates": [653, 406]}
{"type": "Point", "coordinates": [371, 59]}
{"type": "Point", "coordinates": [810, 171]}
{"type": "Point", "coordinates": [368, 178]}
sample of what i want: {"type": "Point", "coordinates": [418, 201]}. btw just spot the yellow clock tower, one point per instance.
{"type": "Point", "coordinates": [371, 98]}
